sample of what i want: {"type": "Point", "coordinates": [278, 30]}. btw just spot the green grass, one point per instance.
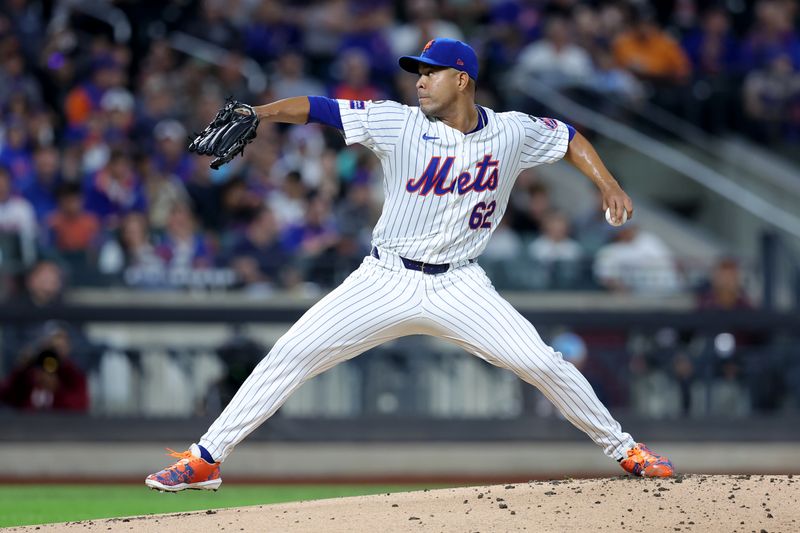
{"type": "Point", "coordinates": [41, 504]}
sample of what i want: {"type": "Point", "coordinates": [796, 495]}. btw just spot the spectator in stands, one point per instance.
{"type": "Point", "coordinates": [423, 25]}
{"type": "Point", "coordinates": [73, 231]}
{"type": "Point", "coordinates": [355, 214]}
{"type": "Point", "coordinates": [41, 189]}
{"type": "Point", "coordinates": [713, 48]}
{"type": "Point", "coordinates": [773, 34]}
{"type": "Point", "coordinates": [238, 205]}
{"type": "Point", "coordinates": [650, 53]}
{"type": "Point", "coordinates": [44, 284]}
{"type": "Point", "coordinates": [118, 106]}
{"type": "Point", "coordinates": [656, 59]}
{"type": "Point", "coordinates": [270, 32]}
{"type": "Point", "coordinates": [18, 228]}
{"type": "Point", "coordinates": [508, 32]}
{"type": "Point", "coordinates": [714, 52]}
{"type": "Point", "coordinates": [114, 190]}
{"type": "Point", "coordinates": [157, 102]}
{"type": "Point", "coordinates": [772, 99]}
{"type": "Point", "coordinates": [683, 372]}
{"type": "Point", "coordinates": [160, 60]}
{"type": "Point", "coordinates": [303, 148]}
{"type": "Point", "coordinates": [15, 154]}
{"type": "Point", "coordinates": [290, 78]}
{"type": "Point", "coordinates": [289, 202]}
{"type": "Point", "coordinates": [554, 245]}
{"type": "Point", "coordinates": [315, 234]}
{"type": "Point", "coordinates": [367, 28]}
{"type": "Point", "coordinates": [637, 261]}
{"type": "Point", "coordinates": [615, 83]}
{"type": "Point", "coordinates": [231, 79]}
{"type": "Point", "coordinates": [725, 290]}
{"type": "Point", "coordinates": [161, 192]}
{"type": "Point", "coordinates": [214, 25]}
{"type": "Point", "coordinates": [182, 246]}
{"type": "Point", "coordinates": [728, 395]}
{"type": "Point", "coordinates": [47, 378]}
{"type": "Point", "coordinates": [555, 59]}
{"type": "Point", "coordinates": [557, 254]}
{"type": "Point", "coordinates": [260, 172]}
{"type": "Point", "coordinates": [84, 99]}
{"type": "Point", "coordinates": [258, 256]}
{"type": "Point", "coordinates": [132, 247]}
{"type": "Point", "coordinates": [528, 215]}
{"type": "Point", "coordinates": [16, 81]}
{"type": "Point", "coordinates": [654, 393]}
{"type": "Point", "coordinates": [171, 157]}
{"type": "Point", "coordinates": [505, 244]}
{"type": "Point", "coordinates": [355, 78]}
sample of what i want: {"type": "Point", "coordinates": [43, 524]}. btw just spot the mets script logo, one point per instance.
{"type": "Point", "coordinates": [438, 172]}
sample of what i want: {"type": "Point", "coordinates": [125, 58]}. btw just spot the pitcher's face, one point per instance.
{"type": "Point", "coordinates": [437, 88]}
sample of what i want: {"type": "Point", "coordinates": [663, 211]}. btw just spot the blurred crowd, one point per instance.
{"type": "Point", "coordinates": [96, 183]}
{"type": "Point", "coordinates": [97, 189]}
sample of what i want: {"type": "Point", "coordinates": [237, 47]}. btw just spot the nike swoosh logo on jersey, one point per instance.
{"type": "Point", "coordinates": [425, 137]}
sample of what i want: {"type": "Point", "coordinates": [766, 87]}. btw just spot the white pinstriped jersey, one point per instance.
{"type": "Point", "coordinates": [446, 191]}
{"type": "Point", "coordinates": [445, 194]}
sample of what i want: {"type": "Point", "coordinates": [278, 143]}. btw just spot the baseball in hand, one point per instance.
{"type": "Point", "coordinates": [619, 222]}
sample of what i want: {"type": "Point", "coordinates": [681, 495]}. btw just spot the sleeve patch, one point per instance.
{"type": "Point", "coordinates": [549, 123]}
{"type": "Point", "coordinates": [357, 104]}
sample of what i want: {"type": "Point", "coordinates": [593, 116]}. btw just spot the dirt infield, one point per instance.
{"type": "Point", "coordinates": [687, 503]}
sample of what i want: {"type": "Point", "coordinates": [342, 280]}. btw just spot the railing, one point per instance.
{"type": "Point", "coordinates": [766, 167]}
{"type": "Point", "coordinates": [664, 154]}
{"type": "Point", "coordinates": [775, 254]}
{"type": "Point", "coordinates": [172, 360]}
{"type": "Point", "coordinates": [196, 47]}
{"type": "Point", "coordinates": [104, 11]}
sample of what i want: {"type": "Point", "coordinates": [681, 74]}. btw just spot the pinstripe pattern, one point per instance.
{"type": "Point", "coordinates": [368, 309]}
{"type": "Point", "coordinates": [469, 312]}
{"type": "Point", "coordinates": [382, 300]}
{"type": "Point", "coordinates": [431, 228]}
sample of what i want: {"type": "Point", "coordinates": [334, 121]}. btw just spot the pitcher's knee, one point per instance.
{"type": "Point", "coordinates": [541, 367]}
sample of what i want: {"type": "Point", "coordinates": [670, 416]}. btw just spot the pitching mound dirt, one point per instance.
{"type": "Point", "coordinates": [689, 503]}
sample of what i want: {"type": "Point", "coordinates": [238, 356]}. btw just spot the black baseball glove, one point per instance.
{"type": "Point", "coordinates": [232, 129]}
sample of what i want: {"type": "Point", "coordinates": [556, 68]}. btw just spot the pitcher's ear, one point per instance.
{"type": "Point", "coordinates": [463, 80]}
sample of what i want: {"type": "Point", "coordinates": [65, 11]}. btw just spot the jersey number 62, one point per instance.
{"type": "Point", "coordinates": [479, 218]}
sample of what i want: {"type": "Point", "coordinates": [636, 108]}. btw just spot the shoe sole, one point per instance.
{"type": "Point", "coordinates": [212, 484]}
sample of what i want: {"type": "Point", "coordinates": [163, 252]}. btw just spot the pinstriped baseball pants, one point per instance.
{"type": "Point", "coordinates": [382, 301]}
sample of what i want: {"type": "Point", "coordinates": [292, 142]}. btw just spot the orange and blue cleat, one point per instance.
{"type": "Point", "coordinates": [190, 472]}
{"type": "Point", "coordinates": [643, 462]}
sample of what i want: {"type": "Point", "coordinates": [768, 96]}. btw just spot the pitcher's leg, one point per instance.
{"type": "Point", "coordinates": [473, 315]}
{"type": "Point", "coordinates": [365, 311]}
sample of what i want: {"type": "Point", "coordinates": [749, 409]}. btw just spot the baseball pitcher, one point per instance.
{"type": "Point", "coordinates": [449, 166]}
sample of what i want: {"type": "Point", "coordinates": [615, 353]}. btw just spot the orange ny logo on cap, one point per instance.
{"type": "Point", "coordinates": [428, 45]}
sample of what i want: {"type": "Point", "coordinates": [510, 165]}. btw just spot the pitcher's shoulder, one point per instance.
{"type": "Point", "coordinates": [512, 116]}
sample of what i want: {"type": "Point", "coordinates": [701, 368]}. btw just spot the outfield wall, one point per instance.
{"type": "Point", "coordinates": [383, 462]}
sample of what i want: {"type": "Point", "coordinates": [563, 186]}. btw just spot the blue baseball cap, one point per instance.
{"type": "Point", "coordinates": [444, 53]}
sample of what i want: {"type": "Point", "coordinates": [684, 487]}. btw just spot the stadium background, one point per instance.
{"type": "Point", "coordinates": [139, 287]}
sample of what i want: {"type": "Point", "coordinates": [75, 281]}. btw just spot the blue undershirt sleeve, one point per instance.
{"type": "Point", "coordinates": [325, 110]}
{"type": "Point", "coordinates": [571, 131]}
